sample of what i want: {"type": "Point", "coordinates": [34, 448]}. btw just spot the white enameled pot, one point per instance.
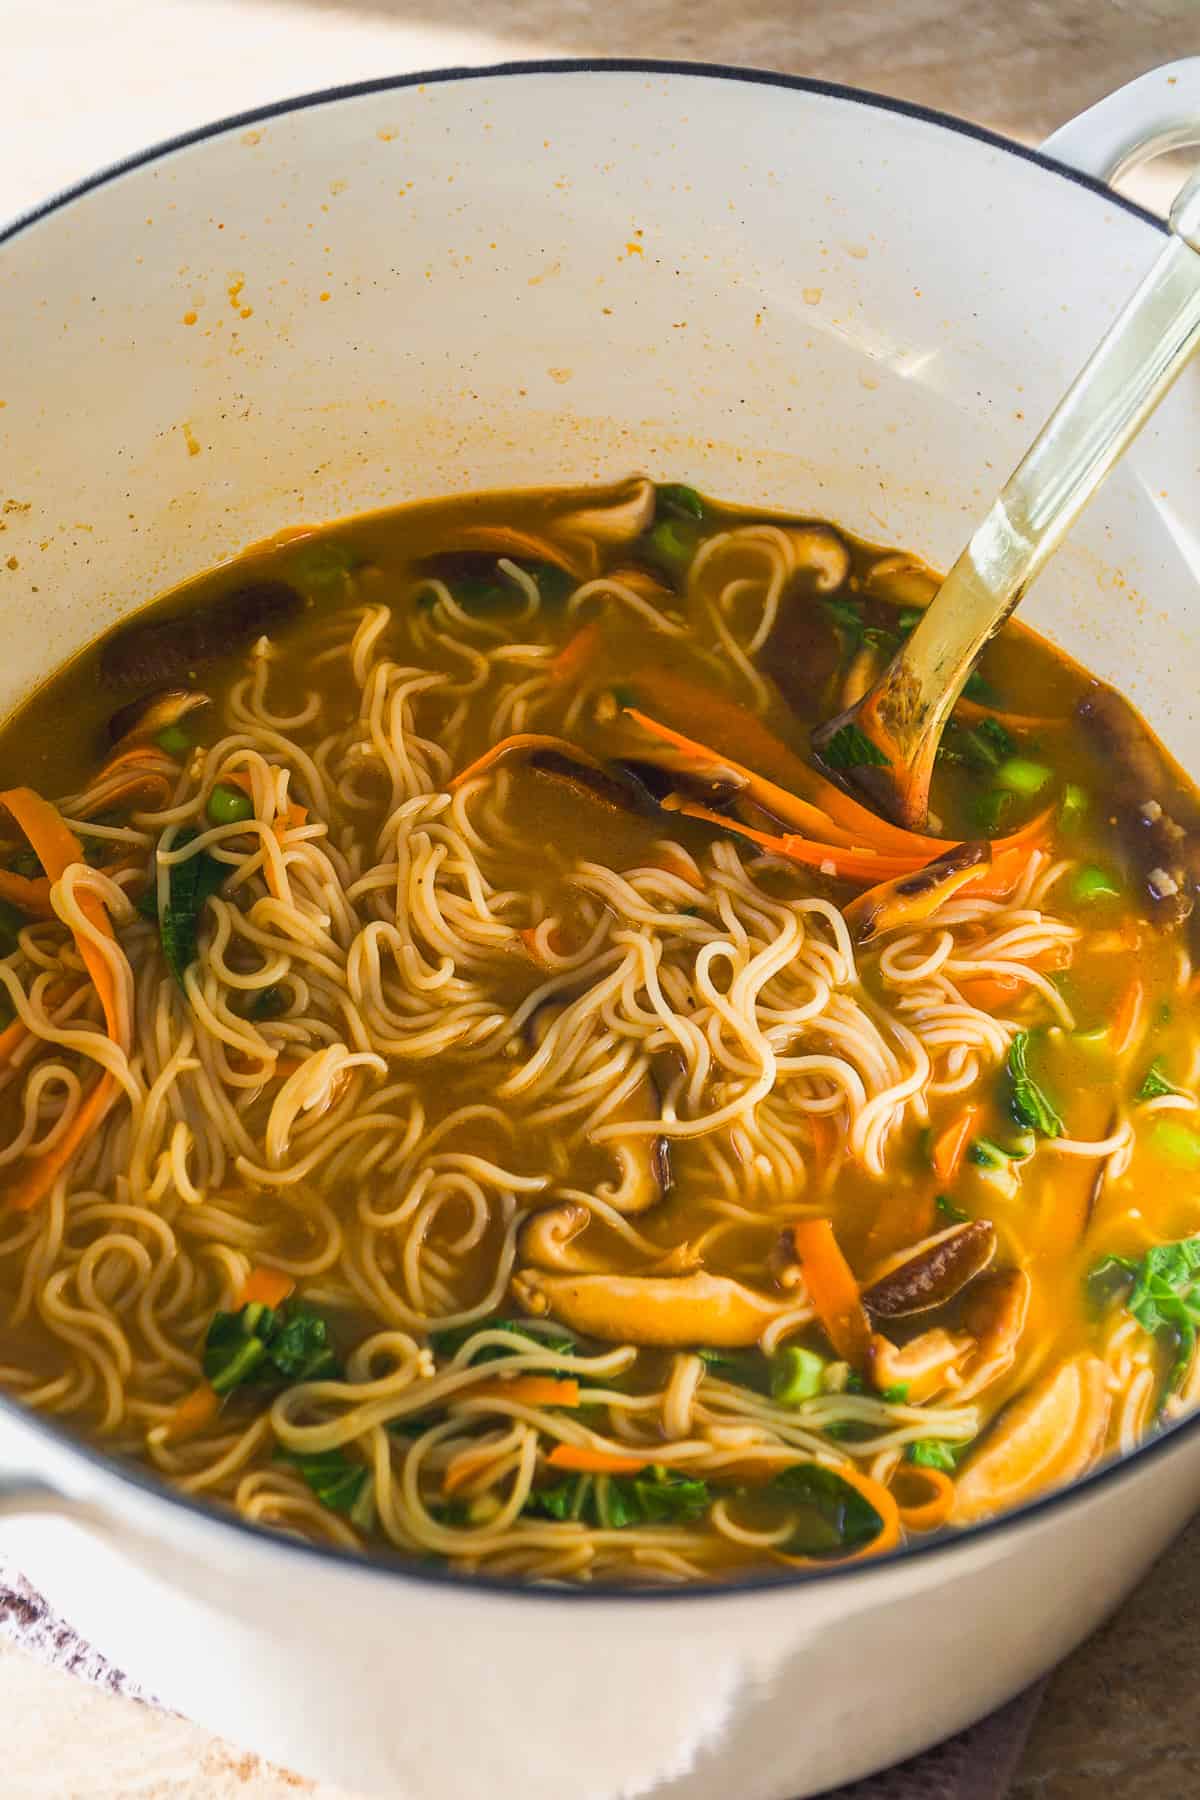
{"type": "Point", "coordinates": [786, 293]}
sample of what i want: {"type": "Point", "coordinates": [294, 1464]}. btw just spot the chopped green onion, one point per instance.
{"type": "Point", "coordinates": [987, 1154]}
{"type": "Point", "coordinates": [795, 1374]}
{"type": "Point", "coordinates": [909, 619]}
{"type": "Point", "coordinates": [337, 1482]}
{"type": "Point", "coordinates": [1175, 1144]}
{"type": "Point", "coordinates": [897, 1395]}
{"type": "Point", "coordinates": [674, 498]}
{"type": "Point", "coordinates": [1091, 883]}
{"type": "Point", "coordinates": [174, 740]}
{"type": "Point", "coordinates": [851, 748]}
{"type": "Point", "coordinates": [672, 540]}
{"type": "Point", "coordinates": [1072, 808]}
{"type": "Point", "coordinates": [934, 1453]}
{"type": "Point", "coordinates": [229, 805]}
{"type": "Point", "coordinates": [1020, 776]}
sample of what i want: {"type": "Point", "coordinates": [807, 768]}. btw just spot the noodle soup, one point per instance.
{"type": "Point", "coordinates": [472, 1087]}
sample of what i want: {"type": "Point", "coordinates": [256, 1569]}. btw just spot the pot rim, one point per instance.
{"type": "Point", "coordinates": [211, 1518]}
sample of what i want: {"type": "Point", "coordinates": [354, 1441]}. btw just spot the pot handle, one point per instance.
{"type": "Point", "coordinates": [1159, 111]}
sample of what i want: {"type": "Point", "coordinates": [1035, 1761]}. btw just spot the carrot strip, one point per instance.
{"type": "Point", "coordinates": [465, 1467]}
{"type": "Point", "coordinates": [56, 848]}
{"type": "Point", "coordinates": [974, 711]}
{"type": "Point", "coordinates": [824, 1134]}
{"type": "Point", "coordinates": [523, 740]}
{"type": "Point", "coordinates": [950, 1146]}
{"type": "Point", "coordinates": [586, 1461]}
{"type": "Point", "coordinates": [10, 1037]}
{"type": "Point", "coordinates": [876, 1496]}
{"type": "Point", "coordinates": [730, 731]}
{"type": "Point", "coordinates": [41, 1175]}
{"type": "Point", "coordinates": [528, 1390]}
{"type": "Point", "coordinates": [905, 1216]}
{"type": "Point", "coordinates": [294, 817]}
{"type": "Point", "coordinates": [517, 544]}
{"type": "Point", "coordinates": [928, 1514]}
{"type": "Point", "coordinates": [850, 865]}
{"type": "Point", "coordinates": [833, 1289]}
{"type": "Point", "coordinates": [28, 896]}
{"type": "Point", "coordinates": [266, 1287]}
{"type": "Point", "coordinates": [1127, 1018]}
{"type": "Point", "coordinates": [193, 1413]}
{"type": "Point", "coordinates": [577, 653]}
{"type": "Point", "coordinates": [555, 942]}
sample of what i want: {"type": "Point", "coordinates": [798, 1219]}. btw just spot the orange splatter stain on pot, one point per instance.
{"type": "Point", "coordinates": [190, 439]}
{"type": "Point", "coordinates": [189, 318]}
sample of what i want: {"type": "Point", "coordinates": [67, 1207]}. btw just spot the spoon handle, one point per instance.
{"type": "Point", "coordinates": [903, 715]}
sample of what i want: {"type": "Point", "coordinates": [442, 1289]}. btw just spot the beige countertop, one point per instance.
{"type": "Point", "coordinates": [87, 83]}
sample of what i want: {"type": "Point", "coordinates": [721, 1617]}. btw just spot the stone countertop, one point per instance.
{"type": "Point", "coordinates": [88, 83]}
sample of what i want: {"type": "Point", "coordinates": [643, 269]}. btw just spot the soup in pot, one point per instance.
{"type": "Point", "coordinates": [472, 1087]}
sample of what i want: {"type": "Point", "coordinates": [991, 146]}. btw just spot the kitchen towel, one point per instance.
{"type": "Point", "coordinates": [978, 1764]}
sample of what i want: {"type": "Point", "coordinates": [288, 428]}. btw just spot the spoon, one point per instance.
{"type": "Point", "coordinates": [885, 744]}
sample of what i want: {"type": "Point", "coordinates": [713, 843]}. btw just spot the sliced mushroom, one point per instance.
{"type": "Point", "coordinates": [644, 1161]}
{"type": "Point", "coordinates": [903, 580]}
{"type": "Point", "coordinates": [911, 899]}
{"type": "Point", "coordinates": [820, 552]}
{"type": "Point", "coordinates": [922, 1365]}
{"type": "Point", "coordinates": [932, 1272]}
{"type": "Point", "coordinates": [602, 785]}
{"type": "Point", "coordinates": [993, 1310]}
{"type": "Point", "coordinates": [670, 1313]}
{"type": "Point", "coordinates": [624, 513]}
{"type": "Point", "coordinates": [546, 1241]}
{"type": "Point", "coordinates": [162, 651]}
{"type": "Point", "coordinates": [660, 779]}
{"type": "Point", "coordinates": [1051, 1434]}
{"type": "Point", "coordinates": [151, 713]}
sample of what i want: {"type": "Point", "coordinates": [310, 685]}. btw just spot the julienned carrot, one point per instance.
{"type": "Point", "coordinates": [833, 859]}
{"type": "Point", "coordinates": [577, 652]}
{"type": "Point", "coordinates": [728, 730]}
{"type": "Point", "coordinates": [824, 1134]}
{"type": "Point", "coordinates": [927, 1514]}
{"type": "Point", "coordinates": [905, 1216]}
{"type": "Point", "coordinates": [554, 941]}
{"type": "Point", "coordinates": [465, 1467]}
{"type": "Point", "coordinates": [32, 897]}
{"type": "Point", "coordinates": [788, 808]}
{"type": "Point", "coordinates": [56, 848]}
{"type": "Point", "coordinates": [10, 1037]}
{"type": "Point", "coordinates": [267, 1287]}
{"type": "Point", "coordinates": [950, 1146]}
{"type": "Point", "coordinates": [585, 1461]}
{"type": "Point", "coordinates": [520, 545]}
{"type": "Point", "coordinates": [833, 1289]}
{"type": "Point", "coordinates": [974, 711]}
{"type": "Point", "coordinates": [291, 820]}
{"type": "Point", "coordinates": [1127, 1018]}
{"type": "Point", "coordinates": [876, 1496]}
{"type": "Point", "coordinates": [41, 1175]}
{"type": "Point", "coordinates": [193, 1413]}
{"type": "Point", "coordinates": [523, 740]}
{"type": "Point", "coordinates": [527, 1390]}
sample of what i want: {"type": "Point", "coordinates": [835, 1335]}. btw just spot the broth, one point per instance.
{"type": "Point", "coordinates": [473, 1088]}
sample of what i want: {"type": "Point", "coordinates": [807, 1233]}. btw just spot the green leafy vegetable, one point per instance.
{"type": "Point", "coordinates": [985, 1153]}
{"type": "Point", "coordinates": [1109, 1280]}
{"type": "Point", "coordinates": [934, 1453]}
{"type": "Point", "coordinates": [848, 619]}
{"type": "Point", "coordinates": [1154, 1083]}
{"type": "Point", "coordinates": [834, 1516]}
{"type": "Point", "coordinates": [1030, 1105]}
{"type": "Point", "coordinates": [268, 1003]}
{"type": "Point", "coordinates": [192, 883]}
{"type": "Point", "coordinates": [12, 922]}
{"type": "Point", "coordinates": [673, 499]}
{"type": "Point", "coordinates": [260, 1343]}
{"type": "Point", "coordinates": [851, 748]}
{"type": "Point", "coordinates": [1162, 1294]}
{"type": "Point", "coordinates": [991, 811]}
{"type": "Point", "coordinates": [672, 542]}
{"type": "Point", "coordinates": [976, 688]}
{"type": "Point", "coordinates": [660, 1496]}
{"type": "Point", "coordinates": [744, 1368]}
{"type": "Point", "coordinates": [337, 1482]}
{"type": "Point", "coordinates": [796, 1374]}
{"type": "Point", "coordinates": [948, 1210]}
